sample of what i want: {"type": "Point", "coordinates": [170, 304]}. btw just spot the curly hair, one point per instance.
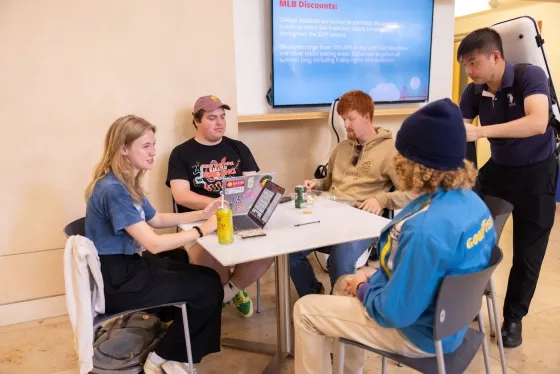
{"type": "Point", "coordinates": [417, 178]}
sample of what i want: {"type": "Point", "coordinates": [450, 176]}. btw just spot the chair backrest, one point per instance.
{"type": "Point", "coordinates": [175, 210]}
{"type": "Point", "coordinates": [460, 298]}
{"type": "Point", "coordinates": [78, 227]}
{"type": "Point", "coordinates": [500, 210]}
{"type": "Point", "coordinates": [389, 213]}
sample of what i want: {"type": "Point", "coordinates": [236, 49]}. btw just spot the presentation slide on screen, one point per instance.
{"type": "Point", "coordinates": [323, 49]}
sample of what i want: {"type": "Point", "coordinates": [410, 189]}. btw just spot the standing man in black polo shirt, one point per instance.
{"type": "Point", "coordinates": [523, 168]}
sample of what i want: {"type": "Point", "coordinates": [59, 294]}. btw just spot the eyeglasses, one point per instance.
{"type": "Point", "coordinates": [357, 155]}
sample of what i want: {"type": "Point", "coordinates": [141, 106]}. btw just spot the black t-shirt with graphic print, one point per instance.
{"type": "Point", "coordinates": [204, 166]}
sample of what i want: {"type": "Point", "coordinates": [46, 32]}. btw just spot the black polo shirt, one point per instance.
{"type": "Point", "coordinates": [504, 107]}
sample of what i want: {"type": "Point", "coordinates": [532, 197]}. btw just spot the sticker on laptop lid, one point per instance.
{"type": "Point", "coordinates": [234, 187]}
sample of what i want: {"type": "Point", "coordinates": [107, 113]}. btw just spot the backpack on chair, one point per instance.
{"type": "Point", "coordinates": [122, 345]}
{"type": "Point", "coordinates": [523, 45]}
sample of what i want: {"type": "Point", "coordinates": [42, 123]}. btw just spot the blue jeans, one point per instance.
{"type": "Point", "coordinates": [342, 260]}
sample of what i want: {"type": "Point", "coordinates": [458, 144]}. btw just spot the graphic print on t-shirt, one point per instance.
{"type": "Point", "coordinates": [137, 247]}
{"type": "Point", "coordinates": [209, 176]}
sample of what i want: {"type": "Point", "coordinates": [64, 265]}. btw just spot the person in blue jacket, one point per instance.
{"type": "Point", "coordinates": [447, 229]}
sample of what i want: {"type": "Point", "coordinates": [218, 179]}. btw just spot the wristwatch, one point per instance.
{"type": "Point", "coordinates": [199, 231]}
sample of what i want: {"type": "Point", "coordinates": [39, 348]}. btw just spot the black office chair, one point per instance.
{"type": "Point", "coordinates": [458, 302]}
{"type": "Point", "coordinates": [389, 214]}
{"type": "Point", "coordinates": [77, 227]}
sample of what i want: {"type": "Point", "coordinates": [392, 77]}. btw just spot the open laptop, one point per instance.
{"type": "Point", "coordinates": [260, 212]}
{"type": "Point", "coordinates": [241, 192]}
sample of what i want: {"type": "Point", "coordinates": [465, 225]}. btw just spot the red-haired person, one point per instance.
{"type": "Point", "coordinates": [360, 167]}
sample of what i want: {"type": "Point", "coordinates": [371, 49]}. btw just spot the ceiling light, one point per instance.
{"type": "Point", "coordinates": [466, 7]}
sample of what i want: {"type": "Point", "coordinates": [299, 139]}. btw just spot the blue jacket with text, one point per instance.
{"type": "Point", "coordinates": [433, 236]}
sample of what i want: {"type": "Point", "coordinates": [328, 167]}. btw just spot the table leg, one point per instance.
{"type": "Point", "coordinates": [284, 335]}
{"type": "Point", "coordinates": [285, 340]}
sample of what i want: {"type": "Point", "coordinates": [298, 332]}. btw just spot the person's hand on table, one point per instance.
{"type": "Point", "coordinates": [371, 205]}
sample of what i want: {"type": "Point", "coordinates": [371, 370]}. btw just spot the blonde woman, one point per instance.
{"type": "Point", "coordinates": [392, 309]}
{"type": "Point", "coordinates": [120, 222]}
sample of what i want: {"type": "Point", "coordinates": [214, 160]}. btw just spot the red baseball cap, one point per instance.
{"type": "Point", "coordinates": [209, 103]}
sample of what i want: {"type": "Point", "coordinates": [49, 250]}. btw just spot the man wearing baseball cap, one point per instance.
{"type": "Point", "coordinates": [195, 172]}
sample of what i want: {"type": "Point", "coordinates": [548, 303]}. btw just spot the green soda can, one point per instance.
{"type": "Point", "coordinates": [300, 190]}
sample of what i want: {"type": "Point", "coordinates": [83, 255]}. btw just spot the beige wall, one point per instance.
{"type": "Point", "coordinates": [68, 69]}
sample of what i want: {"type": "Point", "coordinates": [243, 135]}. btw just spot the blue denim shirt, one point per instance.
{"type": "Point", "coordinates": [110, 209]}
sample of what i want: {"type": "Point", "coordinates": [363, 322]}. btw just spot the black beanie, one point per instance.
{"type": "Point", "coordinates": [434, 136]}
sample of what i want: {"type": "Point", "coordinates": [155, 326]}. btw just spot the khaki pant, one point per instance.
{"type": "Point", "coordinates": [319, 320]}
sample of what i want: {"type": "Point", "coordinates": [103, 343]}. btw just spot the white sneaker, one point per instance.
{"type": "Point", "coordinates": [150, 367]}
{"type": "Point", "coordinates": [174, 367]}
